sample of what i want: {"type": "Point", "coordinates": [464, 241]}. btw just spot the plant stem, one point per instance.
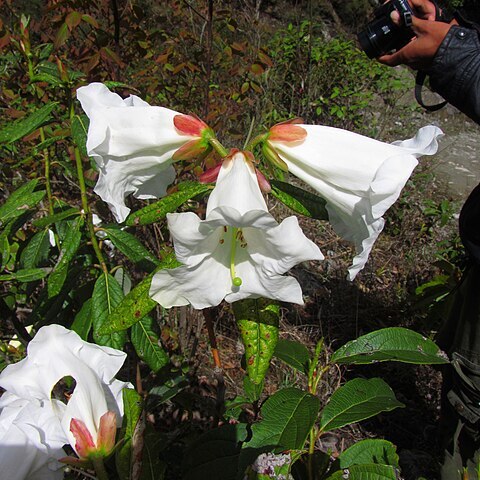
{"type": "Point", "coordinates": [218, 370]}
{"type": "Point", "coordinates": [100, 469]}
{"type": "Point", "coordinates": [87, 212]}
{"type": "Point", "coordinates": [218, 147]}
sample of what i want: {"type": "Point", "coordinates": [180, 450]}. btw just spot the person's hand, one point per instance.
{"type": "Point", "coordinates": [423, 9]}
{"type": "Point", "coordinates": [419, 52]}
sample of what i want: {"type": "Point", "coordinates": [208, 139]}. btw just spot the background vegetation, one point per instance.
{"type": "Point", "coordinates": [242, 66]}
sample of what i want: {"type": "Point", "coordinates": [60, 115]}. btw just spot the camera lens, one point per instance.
{"type": "Point", "coordinates": [381, 35]}
{"type": "Point", "coordinates": [378, 38]}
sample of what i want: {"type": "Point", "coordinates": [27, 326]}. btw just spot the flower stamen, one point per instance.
{"type": "Point", "coordinates": [236, 233]}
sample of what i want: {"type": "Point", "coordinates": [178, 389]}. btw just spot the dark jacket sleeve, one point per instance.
{"type": "Point", "coordinates": [455, 72]}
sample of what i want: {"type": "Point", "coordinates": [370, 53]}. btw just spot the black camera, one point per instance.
{"type": "Point", "coordinates": [381, 35]}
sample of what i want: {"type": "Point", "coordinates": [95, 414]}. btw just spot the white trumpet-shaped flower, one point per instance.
{"type": "Point", "coordinates": [88, 421]}
{"type": "Point", "coordinates": [360, 178]}
{"type": "Point", "coordinates": [31, 440]}
{"type": "Point", "coordinates": [238, 251]}
{"type": "Point", "coordinates": [133, 144]}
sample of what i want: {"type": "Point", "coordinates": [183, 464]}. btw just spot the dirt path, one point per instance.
{"type": "Point", "coordinates": [458, 159]}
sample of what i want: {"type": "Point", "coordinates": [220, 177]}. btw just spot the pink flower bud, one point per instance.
{"type": "Point", "coordinates": [210, 175]}
{"type": "Point", "coordinates": [287, 133]}
{"type": "Point", "coordinates": [189, 125]}
{"type": "Point", "coordinates": [263, 183]}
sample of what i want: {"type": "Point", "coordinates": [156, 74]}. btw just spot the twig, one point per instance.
{"type": "Point", "coordinates": [218, 369]}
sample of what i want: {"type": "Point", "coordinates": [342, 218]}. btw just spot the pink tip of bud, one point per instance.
{"type": "Point", "coordinates": [190, 150]}
{"type": "Point", "coordinates": [249, 156]}
{"type": "Point", "coordinates": [107, 432]}
{"type": "Point", "coordinates": [189, 125]}
{"type": "Point", "coordinates": [263, 183]}
{"type": "Point", "coordinates": [285, 132]}
{"type": "Point", "coordinates": [210, 175]}
{"type": "Point", "coordinates": [84, 444]}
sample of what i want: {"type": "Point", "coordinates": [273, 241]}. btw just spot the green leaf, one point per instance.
{"type": "Point", "coordinates": [158, 210]}
{"type": "Point", "coordinates": [35, 254]}
{"type": "Point", "coordinates": [253, 391]}
{"type": "Point", "coordinates": [69, 247]}
{"type": "Point", "coordinates": [56, 217]}
{"type": "Point", "coordinates": [215, 454]}
{"type": "Point", "coordinates": [257, 320]}
{"type": "Point", "coordinates": [287, 417]}
{"type": "Point", "coordinates": [294, 354]}
{"type": "Point", "coordinates": [147, 344]}
{"type": "Point", "coordinates": [133, 406]}
{"type": "Point", "coordinates": [25, 275]}
{"type": "Point", "coordinates": [107, 294]}
{"type": "Point", "coordinates": [132, 248]}
{"type": "Point", "coordinates": [395, 343]}
{"type": "Point", "coordinates": [52, 80]}
{"type": "Point", "coordinates": [369, 451]}
{"type": "Point", "coordinates": [300, 200]}
{"type": "Point", "coordinates": [169, 389]}
{"type": "Point", "coordinates": [357, 400]}
{"type": "Point", "coordinates": [83, 320]}
{"type": "Point", "coordinates": [20, 200]}
{"type": "Point", "coordinates": [62, 35]}
{"type": "Point", "coordinates": [24, 126]}
{"type": "Point", "coordinates": [79, 128]}
{"type": "Point", "coordinates": [366, 472]}
{"type": "Point", "coordinates": [136, 304]}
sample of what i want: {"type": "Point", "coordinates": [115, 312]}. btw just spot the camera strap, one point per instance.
{"type": "Point", "coordinates": [419, 81]}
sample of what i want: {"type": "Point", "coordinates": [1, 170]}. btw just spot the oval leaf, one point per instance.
{"type": "Point", "coordinates": [132, 248]}
{"type": "Point", "coordinates": [35, 254]}
{"type": "Point", "coordinates": [369, 451]}
{"type": "Point", "coordinates": [19, 201]}
{"type": "Point", "coordinates": [25, 275]}
{"type": "Point", "coordinates": [147, 344]}
{"type": "Point", "coordinates": [357, 400]}
{"type": "Point", "coordinates": [70, 245]}
{"type": "Point", "coordinates": [56, 217]}
{"type": "Point", "coordinates": [294, 354]}
{"type": "Point", "coordinates": [300, 200]}
{"type": "Point", "coordinates": [366, 472]}
{"type": "Point", "coordinates": [215, 454]}
{"type": "Point", "coordinates": [79, 129]}
{"type": "Point", "coordinates": [257, 320]}
{"type": "Point", "coordinates": [287, 417]}
{"type": "Point", "coordinates": [107, 294]}
{"type": "Point", "coordinates": [158, 210]}
{"type": "Point", "coordinates": [136, 304]}
{"type": "Point", "coordinates": [396, 343]}
{"type": "Point", "coordinates": [83, 320]}
{"type": "Point", "coordinates": [19, 129]}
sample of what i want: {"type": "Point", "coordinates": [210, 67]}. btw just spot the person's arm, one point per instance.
{"type": "Point", "coordinates": [450, 54]}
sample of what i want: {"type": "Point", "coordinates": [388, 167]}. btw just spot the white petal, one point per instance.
{"type": "Point", "coordinates": [359, 177]}
{"type": "Point", "coordinates": [237, 187]}
{"type": "Point", "coordinates": [56, 352]}
{"type": "Point", "coordinates": [279, 249]}
{"type": "Point", "coordinates": [30, 443]}
{"type": "Point", "coordinates": [132, 143]}
{"type": "Point", "coordinates": [202, 286]}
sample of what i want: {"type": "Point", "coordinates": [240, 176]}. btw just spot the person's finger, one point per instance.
{"type": "Point", "coordinates": [424, 9]}
{"type": "Point", "coordinates": [394, 59]}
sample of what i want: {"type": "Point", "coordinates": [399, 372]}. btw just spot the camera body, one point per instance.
{"type": "Point", "coordinates": [381, 35]}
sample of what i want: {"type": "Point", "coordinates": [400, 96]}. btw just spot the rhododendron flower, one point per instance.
{"type": "Point", "coordinates": [133, 144]}
{"type": "Point", "coordinates": [238, 251]}
{"type": "Point", "coordinates": [89, 419]}
{"type": "Point", "coordinates": [360, 178]}
{"type": "Point", "coordinates": [31, 440]}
